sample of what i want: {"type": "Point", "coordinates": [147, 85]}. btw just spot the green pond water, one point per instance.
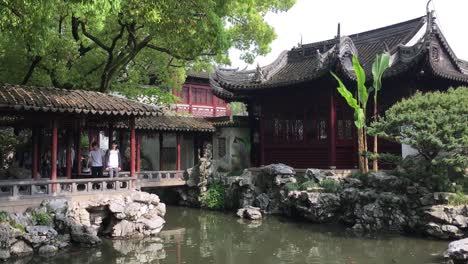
{"type": "Point", "coordinates": [200, 237]}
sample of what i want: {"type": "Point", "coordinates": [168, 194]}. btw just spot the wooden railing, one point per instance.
{"type": "Point", "coordinates": [18, 189]}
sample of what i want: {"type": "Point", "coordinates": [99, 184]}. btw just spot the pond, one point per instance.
{"type": "Point", "coordinates": [199, 237]}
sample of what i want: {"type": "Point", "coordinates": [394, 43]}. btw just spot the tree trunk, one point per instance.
{"type": "Point", "coordinates": [364, 151]}
{"type": "Point", "coordinates": [375, 162]}
{"type": "Point", "coordinates": [360, 150]}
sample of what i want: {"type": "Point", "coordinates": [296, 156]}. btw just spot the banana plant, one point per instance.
{"type": "Point", "coordinates": [359, 104]}
{"type": "Point", "coordinates": [380, 65]}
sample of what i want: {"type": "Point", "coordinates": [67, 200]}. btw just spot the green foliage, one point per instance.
{"type": "Point", "coordinates": [41, 218]}
{"type": "Point", "coordinates": [214, 198]}
{"type": "Point", "coordinates": [4, 217]}
{"type": "Point", "coordinates": [458, 198]}
{"type": "Point", "coordinates": [330, 186]}
{"type": "Point", "coordinates": [434, 124]}
{"type": "Point", "coordinates": [308, 184]}
{"type": "Point", "coordinates": [121, 45]}
{"type": "Point", "coordinates": [292, 186]}
{"type": "Point", "coordinates": [18, 226]}
{"type": "Point", "coordinates": [237, 108]}
{"type": "Point", "coordinates": [84, 141]}
{"type": "Point", "coordinates": [8, 143]}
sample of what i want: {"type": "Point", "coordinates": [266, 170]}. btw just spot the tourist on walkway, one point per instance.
{"type": "Point", "coordinates": [113, 162]}
{"type": "Point", "coordinates": [95, 158]}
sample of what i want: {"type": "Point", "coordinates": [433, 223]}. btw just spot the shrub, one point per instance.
{"type": "Point", "coordinates": [4, 216]}
{"type": "Point", "coordinates": [458, 198]}
{"type": "Point", "coordinates": [18, 226]}
{"type": "Point", "coordinates": [308, 184]}
{"type": "Point", "coordinates": [42, 218]}
{"type": "Point", "coordinates": [291, 186]}
{"type": "Point", "coordinates": [359, 175]}
{"type": "Point", "coordinates": [330, 186]}
{"type": "Point", "coordinates": [214, 197]}
{"type": "Point", "coordinates": [434, 124]}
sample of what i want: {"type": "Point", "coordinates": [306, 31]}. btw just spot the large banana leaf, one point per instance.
{"type": "Point", "coordinates": [347, 95]}
{"type": "Point", "coordinates": [381, 63]}
{"type": "Point", "coordinates": [363, 95]}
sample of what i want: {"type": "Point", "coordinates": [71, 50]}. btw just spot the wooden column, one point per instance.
{"type": "Point", "coordinates": [35, 153]}
{"type": "Point", "coordinates": [53, 154]}
{"type": "Point", "coordinates": [68, 154]}
{"type": "Point", "coordinates": [190, 98]}
{"type": "Point", "coordinates": [132, 147]}
{"type": "Point", "coordinates": [78, 151]}
{"type": "Point", "coordinates": [138, 153]}
{"type": "Point", "coordinates": [332, 132]}
{"type": "Point", "coordinates": [213, 102]}
{"type": "Point", "coordinates": [178, 139]}
{"type": "Point", "coordinates": [111, 138]}
{"type": "Point", "coordinates": [160, 151]}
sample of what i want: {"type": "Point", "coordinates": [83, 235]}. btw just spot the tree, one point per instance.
{"type": "Point", "coordinates": [434, 124]}
{"type": "Point", "coordinates": [380, 65]}
{"type": "Point", "coordinates": [121, 44]}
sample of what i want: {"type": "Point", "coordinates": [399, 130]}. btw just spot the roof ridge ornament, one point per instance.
{"type": "Point", "coordinates": [259, 75]}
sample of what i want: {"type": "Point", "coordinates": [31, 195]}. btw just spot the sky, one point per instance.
{"type": "Point", "coordinates": [316, 20]}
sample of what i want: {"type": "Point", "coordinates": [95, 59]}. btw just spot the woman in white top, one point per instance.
{"type": "Point", "coordinates": [113, 162]}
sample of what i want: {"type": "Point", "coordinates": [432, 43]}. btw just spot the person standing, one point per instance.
{"type": "Point", "coordinates": [113, 162]}
{"type": "Point", "coordinates": [95, 158]}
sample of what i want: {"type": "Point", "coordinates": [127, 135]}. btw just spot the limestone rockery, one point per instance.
{"type": "Point", "coordinates": [377, 202]}
{"type": "Point", "coordinates": [59, 222]}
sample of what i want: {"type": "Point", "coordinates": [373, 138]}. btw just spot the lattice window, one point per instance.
{"type": "Point", "coordinates": [349, 129]}
{"type": "Point", "coordinates": [340, 127]}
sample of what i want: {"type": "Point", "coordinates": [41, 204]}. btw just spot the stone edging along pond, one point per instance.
{"type": "Point", "coordinates": [57, 223]}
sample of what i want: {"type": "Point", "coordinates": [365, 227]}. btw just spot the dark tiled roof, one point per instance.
{"type": "Point", "coordinates": [229, 121]}
{"type": "Point", "coordinates": [174, 123]}
{"type": "Point", "coordinates": [47, 99]}
{"type": "Point", "coordinates": [311, 61]}
{"type": "Point", "coordinates": [198, 75]}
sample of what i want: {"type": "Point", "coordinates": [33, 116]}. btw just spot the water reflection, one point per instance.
{"type": "Point", "coordinates": [197, 237]}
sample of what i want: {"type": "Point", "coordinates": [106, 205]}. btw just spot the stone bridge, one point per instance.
{"type": "Point", "coordinates": [19, 195]}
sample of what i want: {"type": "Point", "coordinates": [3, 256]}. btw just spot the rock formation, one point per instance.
{"type": "Point", "coordinates": [137, 214]}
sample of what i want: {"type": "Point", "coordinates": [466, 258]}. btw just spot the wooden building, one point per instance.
{"type": "Point", "coordinates": [197, 98]}
{"type": "Point", "coordinates": [296, 115]}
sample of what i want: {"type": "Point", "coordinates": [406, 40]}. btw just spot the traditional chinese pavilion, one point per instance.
{"type": "Point", "coordinates": [296, 115]}
{"type": "Point", "coordinates": [58, 118]}
{"type": "Point", "coordinates": [197, 98]}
